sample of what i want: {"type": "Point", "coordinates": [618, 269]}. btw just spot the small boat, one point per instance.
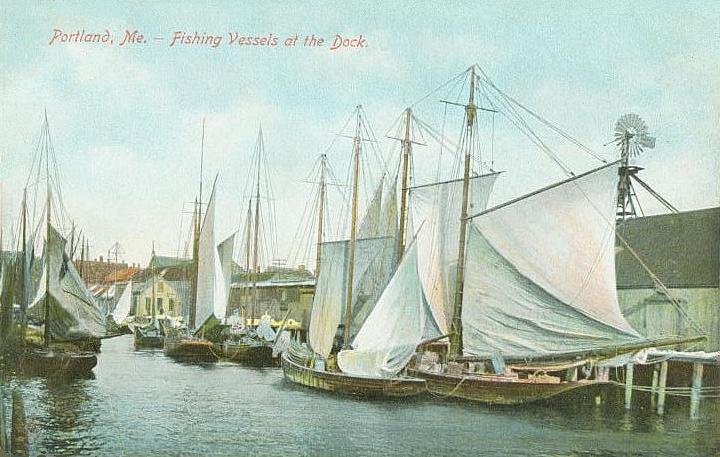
{"type": "Point", "coordinates": [186, 348]}
{"type": "Point", "coordinates": [149, 336]}
{"type": "Point", "coordinates": [252, 346]}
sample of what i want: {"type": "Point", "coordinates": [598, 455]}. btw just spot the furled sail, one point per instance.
{"type": "Point", "coordinates": [540, 273]}
{"type": "Point", "coordinates": [73, 312]}
{"type": "Point", "coordinates": [400, 321]}
{"type": "Point", "coordinates": [123, 305]}
{"type": "Point", "coordinates": [390, 211]}
{"type": "Point", "coordinates": [374, 265]}
{"type": "Point", "coordinates": [437, 208]}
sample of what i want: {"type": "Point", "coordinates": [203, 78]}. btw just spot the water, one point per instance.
{"type": "Point", "coordinates": [141, 403]}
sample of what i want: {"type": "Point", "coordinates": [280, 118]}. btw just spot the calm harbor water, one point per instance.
{"type": "Point", "coordinates": [141, 403]}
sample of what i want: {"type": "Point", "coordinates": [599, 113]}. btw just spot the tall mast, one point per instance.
{"type": "Point", "coordinates": [321, 214]}
{"type": "Point", "coordinates": [248, 236]}
{"type": "Point", "coordinates": [456, 329]}
{"type": "Point", "coordinates": [25, 266]}
{"type": "Point", "coordinates": [152, 272]}
{"type": "Point", "coordinates": [194, 266]}
{"type": "Point", "coordinates": [353, 224]}
{"type": "Point", "coordinates": [404, 183]}
{"type": "Point", "coordinates": [46, 333]}
{"type": "Point", "coordinates": [256, 241]}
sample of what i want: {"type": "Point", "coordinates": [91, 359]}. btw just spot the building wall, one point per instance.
{"type": "Point", "coordinates": [275, 300]}
{"type": "Point", "coordinates": [167, 299]}
{"type": "Point", "coordinates": [653, 315]}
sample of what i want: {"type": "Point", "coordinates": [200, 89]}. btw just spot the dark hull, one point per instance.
{"type": "Point", "coordinates": [191, 350]}
{"type": "Point", "coordinates": [255, 355]}
{"type": "Point", "coordinates": [351, 385]}
{"type": "Point", "coordinates": [497, 390]}
{"type": "Point", "coordinates": [41, 362]}
{"type": "Point", "coordinates": [148, 342]}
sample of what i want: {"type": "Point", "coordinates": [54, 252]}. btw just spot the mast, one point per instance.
{"type": "Point", "coordinates": [194, 267]}
{"type": "Point", "coordinates": [456, 329]}
{"type": "Point", "coordinates": [152, 272]}
{"type": "Point", "coordinates": [248, 236]}
{"type": "Point", "coordinates": [321, 215]}
{"type": "Point", "coordinates": [353, 224]}
{"type": "Point", "coordinates": [46, 320]}
{"type": "Point", "coordinates": [256, 241]}
{"type": "Point", "coordinates": [25, 269]}
{"type": "Point", "coordinates": [404, 183]}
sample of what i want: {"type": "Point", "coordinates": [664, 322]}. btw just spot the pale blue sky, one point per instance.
{"type": "Point", "coordinates": [126, 121]}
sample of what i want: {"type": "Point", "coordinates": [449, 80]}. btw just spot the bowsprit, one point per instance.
{"type": "Point", "coordinates": [340, 42]}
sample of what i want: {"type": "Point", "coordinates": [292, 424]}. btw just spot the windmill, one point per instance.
{"type": "Point", "coordinates": [632, 138]}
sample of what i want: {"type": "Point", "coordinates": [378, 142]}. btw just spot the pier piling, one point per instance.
{"type": "Point", "coordinates": [18, 434]}
{"type": "Point", "coordinates": [697, 376]}
{"type": "Point", "coordinates": [628, 385]}
{"type": "Point", "coordinates": [653, 390]}
{"type": "Point", "coordinates": [661, 388]}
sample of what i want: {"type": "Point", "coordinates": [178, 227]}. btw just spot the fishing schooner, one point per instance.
{"type": "Point", "coordinates": [209, 282]}
{"type": "Point", "coordinates": [60, 323]}
{"type": "Point", "coordinates": [531, 295]}
{"type": "Point", "coordinates": [363, 275]}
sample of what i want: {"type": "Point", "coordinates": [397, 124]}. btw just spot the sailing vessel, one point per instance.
{"type": "Point", "coordinates": [63, 307]}
{"type": "Point", "coordinates": [252, 342]}
{"type": "Point", "coordinates": [152, 334]}
{"type": "Point", "coordinates": [533, 294]}
{"type": "Point", "coordinates": [123, 306]}
{"type": "Point", "coordinates": [210, 286]}
{"type": "Point", "coordinates": [382, 343]}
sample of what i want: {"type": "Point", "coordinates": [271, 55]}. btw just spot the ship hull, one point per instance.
{"type": "Point", "coordinates": [55, 363]}
{"type": "Point", "coordinates": [254, 355]}
{"type": "Point", "coordinates": [190, 350]}
{"type": "Point", "coordinates": [344, 384]}
{"type": "Point", "coordinates": [148, 340]}
{"type": "Point", "coordinates": [496, 390]}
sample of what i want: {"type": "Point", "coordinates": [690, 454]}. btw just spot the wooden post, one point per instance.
{"type": "Point", "coordinates": [572, 374]}
{"type": "Point", "coordinates": [628, 384]}
{"type": "Point", "coordinates": [18, 434]}
{"type": "Point", "coordinates": [653, 390]}
{"type": "Point", "coordinates": [661, 388]}
{"type": "Point", "coordinates": [695, 391]}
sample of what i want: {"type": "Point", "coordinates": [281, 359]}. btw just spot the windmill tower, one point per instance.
{"type": "Point", "coordinates": [632, 138]}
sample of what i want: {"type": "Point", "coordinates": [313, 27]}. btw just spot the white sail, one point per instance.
{"type": "Point", "coordinates": [400, 321]}
{"type": "Point", "coordinates": [389, 218]}
{"type": "Point", "coordinates": [122, 308]}
{"type": "Point", "coordinates": [370, 223]}
{"type": "Point", "coordinates": [540, 273]}
{"type": "Point", "coordinates": [73, 312]}
{"type": "Point", "coordinates": [223, 275]}
{"type": "Point", "coordinates": [373, 269]}
{"type": "Point", "coordinates": [207, 266]}
{"type": "Point", "coordinates": [437, 208]}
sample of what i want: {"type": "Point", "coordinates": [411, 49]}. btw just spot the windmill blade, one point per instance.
{"type": "Point", "coordinates": [646, 141]}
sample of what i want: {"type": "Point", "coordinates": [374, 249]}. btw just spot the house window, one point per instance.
{"type": "Point", "coordinates": [171, 305]}
{"type": "Point", "coordinates": [159, 305]}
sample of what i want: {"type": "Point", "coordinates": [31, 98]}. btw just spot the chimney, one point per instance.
{"type": "Point", "coordinates": [101, 259]}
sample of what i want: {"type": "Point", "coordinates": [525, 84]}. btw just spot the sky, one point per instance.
{"type": "Point", "coordinates": [126, 120]}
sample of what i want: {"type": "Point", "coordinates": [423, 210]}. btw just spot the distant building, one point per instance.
{"type": "Point", "coordinates": [278, 289]}
{"type": "Point", "coordinates": [172, 287]}
{"type": "Point", "coordinates": [683, 251]}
